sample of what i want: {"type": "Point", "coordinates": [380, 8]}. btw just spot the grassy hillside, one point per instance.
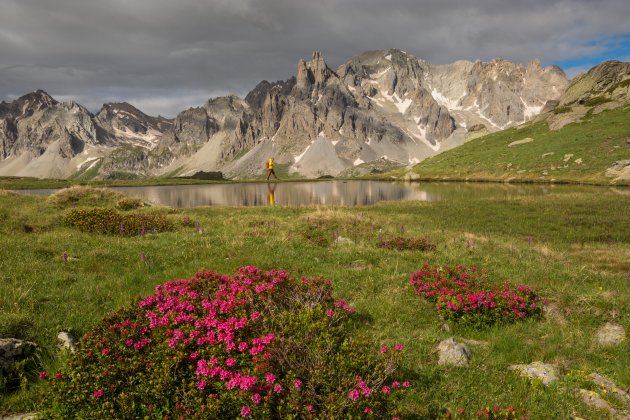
{"type": "Point", "coordinates": [571, 247]}
{"type": "Point", "coordinates": [578, 152]}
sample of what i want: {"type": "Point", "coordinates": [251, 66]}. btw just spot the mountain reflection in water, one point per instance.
{"type": "Point", "coordinates": [341, 193]}
{"type": "Point", "coordinates": [344, 193]}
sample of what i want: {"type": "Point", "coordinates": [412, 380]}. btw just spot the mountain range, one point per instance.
{"type": "Point", "coordinates": [379, 110]}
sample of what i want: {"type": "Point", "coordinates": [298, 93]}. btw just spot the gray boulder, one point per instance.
{"type": "Point", "coordinates": [537, 370]}
{"type": "Point", "coordinates": [452, 353]}
{"type": "Point", "coordinates": [610, 334]}
{"type": "Point", "coordinates": [13, 350]}
{"type": "Point", "coordinates": [66, 341]}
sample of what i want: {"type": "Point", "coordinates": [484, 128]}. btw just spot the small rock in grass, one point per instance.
{"type": "Point", "coordinates": [453, 353]}
{"type": "Point", "coordinates": [344, 241]}
{"type": "Point", "coordinates": [23, 416]}
{"type": "Point", "coordinates": [610, 334]}
{"type": "Point", "coordinates": [611, 387]}
{"type": "Point", "coordinates": [66, 341]}
{"type": "Point", "coordinates": [554, 313]}
{"type": "Point", "coordinates": [537, 370]}
{"type": "Point", "coordinates": [593, 399]}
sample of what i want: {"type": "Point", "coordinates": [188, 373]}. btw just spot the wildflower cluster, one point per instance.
{"type": "Point", "coordinates": [107, 220]}
{"type": "Point", "coordinates": [256, 344]}
{"type": "Point", "coordinates": [404, 243]}
{"type": "Point", "coordinates": [466, 295]}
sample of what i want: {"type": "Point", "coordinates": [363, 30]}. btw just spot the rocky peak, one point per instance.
{"type": "Point", "coordinates": [314, 72]}
{"type": "Point", "coordinates": [606, 81]}
{"type": "Point", "coordinates": [34, 101]}
{"type": "Point", "coordinates": [609, 73]}
{"type": "Point", "coordinates": [258, 95]}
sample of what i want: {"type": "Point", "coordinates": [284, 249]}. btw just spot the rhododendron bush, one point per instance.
{"type": "Point", "coordinates": [466, 295]}
{"type": "Point", "coordinates": [256, 344]}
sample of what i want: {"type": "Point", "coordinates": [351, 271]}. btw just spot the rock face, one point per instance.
{"type": "Point", "coordinates": [380, 105]}
{"type": "Point", "coordinates": [452, 353]}
{"type": "Point", "coordinates": [605, 86]}
{"type": "Point", "coordinates": [42, 137]}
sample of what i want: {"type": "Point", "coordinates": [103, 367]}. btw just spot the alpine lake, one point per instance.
{"type": "Point", "coordinates": [332, 193]}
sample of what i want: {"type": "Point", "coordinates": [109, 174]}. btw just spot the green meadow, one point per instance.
{"type": "Point", "coordinates": [577, 153]}
{"type": "Point", "coordinates": [571, 247]}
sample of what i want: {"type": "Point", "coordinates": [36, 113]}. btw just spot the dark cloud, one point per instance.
{"type": "Point", "coordinates": [164, 56]}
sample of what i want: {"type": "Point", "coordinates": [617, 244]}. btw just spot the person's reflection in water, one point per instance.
{"type": "Point", "coordinates": [272, 189]}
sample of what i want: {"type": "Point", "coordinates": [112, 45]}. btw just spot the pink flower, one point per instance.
{"type": "Point", "coordinates": [58, 375]}
{"type": "Point", "coordinates": [270, 377]}
{"type": "Point", "coordinates": [385, 390]}
{"type": "Point", "coordinates": [256, 398]}
{"type": "Point", "coordinates": [242, 346]}
{"type": "Point", "coordinates": [406, 384]}
{"type": "Point", "coordinates": [43, 375]}
{"type": "Point", "coordinates": [246, 411]}
{"type": "Point", "coordinates": [98, 393]}
{"type": "Point", "coordinates": [297, 383]}
{"type": "Point", "coordinates": [398, 347]}
{"type": "Point", "coordinates": [230, 362]}
{"type": "Point", "coordinates": [367, 410]}
{"type": "Point", "coordinates": [495, 407]}
{"type": "Point", "coordinates": [395, 384]}
{"type": "Point", "coordinates": [354, 394]}
{"type": "Point", "coordinates": [277, 388]}
{"type": "Point", "coordinates": [383, 349]}
{"type": "Point", "coordinates": [309, 408]}
{"type": "Point", "coordinates": [330, 313]}
{"type": "Point", "coordinates": [106, 351]}
{"type": "Point", "coordinates": [201, 385]}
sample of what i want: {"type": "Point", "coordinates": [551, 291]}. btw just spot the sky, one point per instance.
{"type": "Point", "coordinates": [164, 56]}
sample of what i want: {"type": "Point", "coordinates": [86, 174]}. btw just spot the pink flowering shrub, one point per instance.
{"type": "Point", "coordinates": [256, 344]}
{"type": "Point", "coordinates": [466, 295]}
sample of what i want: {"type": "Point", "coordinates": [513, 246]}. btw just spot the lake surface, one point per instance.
{"type": "Point", "coordinates": [343, 193]}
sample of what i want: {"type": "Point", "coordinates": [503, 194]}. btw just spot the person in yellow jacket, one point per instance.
{"type": "Point", "coordinates": [270, 170]}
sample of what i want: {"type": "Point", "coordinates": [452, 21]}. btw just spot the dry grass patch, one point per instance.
{"type": "Point", "coordinates": [82, 195]}
{"type": "Point", "coordinates": [603, 259]}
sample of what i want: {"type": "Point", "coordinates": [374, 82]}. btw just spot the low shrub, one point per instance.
{"type": "Point", "coordinates": [317, 235]}
{"type": "Point", "coordinates": [466, 295]}
{"type": "Point", "coordinates": [109, 221]}
{"type": "Point", "coordinates": [256, 344]}
{"type": "Point", "coordinates": [404, 243]}
{"type": "Point", "coordinates": [562, 110]}
{"type": "Point", "coordinates": [596, 100]}
{"type": "Point", "coordinates": [129, 203]}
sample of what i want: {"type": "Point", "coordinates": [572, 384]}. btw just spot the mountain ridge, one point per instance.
{"type": "Point", "coordinates": [382, 105]}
